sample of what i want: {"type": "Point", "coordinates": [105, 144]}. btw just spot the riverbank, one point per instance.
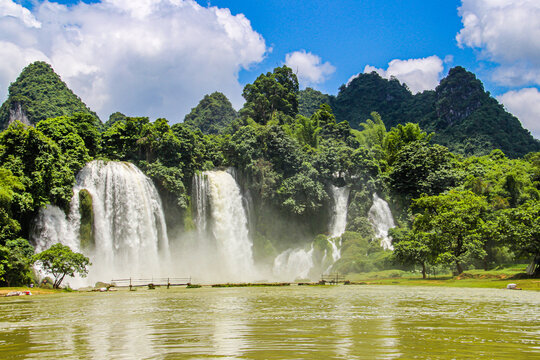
{"type": "Point", "coordinates": [497, 279]}
{"type": "Point", "coordinates": [35, 290]}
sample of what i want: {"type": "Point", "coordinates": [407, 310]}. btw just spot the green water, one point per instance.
{"type": "Point", "coordinates": [332, 322]}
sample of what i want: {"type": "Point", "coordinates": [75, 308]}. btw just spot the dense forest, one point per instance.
{"type": "Point", "coordinates": [461, 174]}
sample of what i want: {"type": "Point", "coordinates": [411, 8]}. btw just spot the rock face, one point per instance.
{"type": "Point", "coordinates": [17, 113]}
{"type": "Point", "coordinates": [458, 96]}
{"type": "Point", "coordinates": [38, 94]}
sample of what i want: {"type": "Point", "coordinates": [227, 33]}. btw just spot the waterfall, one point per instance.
{"type": "Point", "coordinates": [130, 234]}
{"type": "Point", "coordinates": [293, 264]}
{"type": "Point", "coordinates": [381, 217]}
{"type": "Point", "coordinates": [50, 227]}
{"type": "Point", "coordinates": [338, 220]}
{"type": "Point", "coordinates": [222, 222]}
{"type": "Point", "coordinates": [298, 263]}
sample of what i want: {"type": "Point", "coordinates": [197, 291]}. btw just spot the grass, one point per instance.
{"type": "Point", "coordinates": [35, 291]}
{"type": "Point", "coordinates": [497, 278]}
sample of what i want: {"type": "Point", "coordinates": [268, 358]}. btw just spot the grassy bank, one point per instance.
{"type": "Point", "coordinates": [497, 278]}
{"type": "Point", "coordinates": [35, 291]}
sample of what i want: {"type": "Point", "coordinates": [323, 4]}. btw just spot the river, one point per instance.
{"type": "Point", "coordinates": [296, 322]}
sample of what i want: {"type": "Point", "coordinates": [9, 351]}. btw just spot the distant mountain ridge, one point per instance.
{"type": "Point", "coordinates": [38, 94]}
{"type": "Point", "coordinates": [464, 117]}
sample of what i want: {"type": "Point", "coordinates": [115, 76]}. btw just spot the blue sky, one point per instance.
{"type": "Point", "coordinates": [159, 57]}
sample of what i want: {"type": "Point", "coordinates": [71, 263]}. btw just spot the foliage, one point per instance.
{"type": "Point", "coordinates": [41, 94]}
{"type": "Point", "coordinates": [40, 166]}
{"type": "Point", "coordinates": [15, 261]}
{"type": "Point", "coordinates": [412, 248]}
{"type": "Point", "coordinates": [62, 131]}
{"type": "Point", "coordinates": [61, 261]}
{"type": "Point", "coordinates": [11, 190]}
{"type": "Point", "coordinates": [401, 135]}
{"type": "Point", "coordinates": [452, 225]}
{"type": "Point", "coordinates": [420, 168]}
{"type": "Point", "coordinates": [86, 227]}
{"type": "Point", "coordinates": [360, 254]}
{"type": "Point", "coordinates": [522, 229]}
{"type": "Point", "coordinates": [302, 193]}
{"type": "Point", "coordinates": [274, 92]}
{"type": "Point", "coordinates": [212, 115]}
{"type": "Point", "coordinates": [310, 100]}
{"type": "Point", "coordinates": [464, 117]}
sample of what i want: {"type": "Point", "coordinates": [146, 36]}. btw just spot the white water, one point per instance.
{"type": "Point", "coordinates": [223, 246]}
{"type": "Point", "coordinates": [338, 221]}
{"type": "Point", "coordinates": [298, 263]}
{"type": "Point", "coordinates": [381, 217]}
{"type": "Point", "coordinates": [293, 264]}
{"type": "Point", "coordinates": [129, 224]}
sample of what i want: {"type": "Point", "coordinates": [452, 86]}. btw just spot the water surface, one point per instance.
{"type": "Point", "coordinates": [331, 322]}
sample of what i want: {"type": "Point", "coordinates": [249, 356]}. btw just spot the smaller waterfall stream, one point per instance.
{"type": "Point", "coordinates": [338, 220]}
{"type": "Point", "coordinates": [298, 263]}
{"type": "Point", "coordinates": [381, 217]}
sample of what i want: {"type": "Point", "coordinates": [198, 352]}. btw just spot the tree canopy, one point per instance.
{"type": "Point", "coordinates": [60, 261]}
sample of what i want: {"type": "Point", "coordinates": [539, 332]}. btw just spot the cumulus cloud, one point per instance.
{"type": "Point", "coordinates": [150, 57]}
{"type": "Point", "coordinates": [525, 105]}
{"type": "Point", "coordinates": [419, 74]}
{"type": "Point", "coordinates": [505, 32]}
{"type": "Point", "coordinates": [308, 67]}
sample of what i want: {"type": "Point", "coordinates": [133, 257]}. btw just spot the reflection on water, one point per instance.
{"type": "Point", "coordinates": [333, 322]}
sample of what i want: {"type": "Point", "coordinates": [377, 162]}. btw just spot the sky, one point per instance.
{"type": "Point", "coordinates": [158, 58]}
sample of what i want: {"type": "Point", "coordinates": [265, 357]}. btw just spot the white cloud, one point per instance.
{"type": "Point", "coordinates": [419, 74]}
{"type": "Point", "coordinates": [10, 9]}
{"type": "Point", "coordinates": [506, 32]}
{"type": "Point", "coordinates": [308, 67]}
{"type": "Point", "coordinates": [150, 57]}
{"type": "Point", "coordinates": [525, 105]}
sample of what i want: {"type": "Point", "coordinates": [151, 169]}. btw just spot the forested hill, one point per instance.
{"type": "Point", "coordinates": [212, 115]}
{"type": "Point", "coordinates": [39, 94]}
{"type": "Point", "coordinates": [463, 116]}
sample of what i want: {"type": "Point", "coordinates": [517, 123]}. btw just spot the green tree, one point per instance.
{"type": "Point", "coordinates": [453, 224]}
{"type": "Point", "coordinates": [422, 169]}
{"type": "Point", "coordinates": [274, 92]}
{"type": "Point", "coordinates": [306, 131]}
{"type": "Point", "coordinates": [522, 230]}
{"type": "Point", "coordinates": [61, 261]}
{"type": "Point", "coordinates": [401, 135]}
{"type": "Point", "coordinates": [412, 247]}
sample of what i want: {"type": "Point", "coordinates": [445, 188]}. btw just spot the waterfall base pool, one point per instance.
{"type": "Point", "coordinates": [326, 322]}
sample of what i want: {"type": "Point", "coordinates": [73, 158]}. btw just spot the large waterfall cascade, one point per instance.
{"type": "Point", "coordinates": [222, 223]}
{"type": "Point", "coordinates": [381, 217]}
{"type": "Point", "coordinates": [130, 232]}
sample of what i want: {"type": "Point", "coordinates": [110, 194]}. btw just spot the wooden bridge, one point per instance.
{"type": "Point", "coordinates": [333, 279]}
{"type": "Point", "coordinates": [151, 282]}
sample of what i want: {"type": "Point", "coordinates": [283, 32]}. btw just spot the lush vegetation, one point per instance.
{"type": "Point", "coordinates": [463, 116]}
{"type": "Point", "coordinates": [288, 148]}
